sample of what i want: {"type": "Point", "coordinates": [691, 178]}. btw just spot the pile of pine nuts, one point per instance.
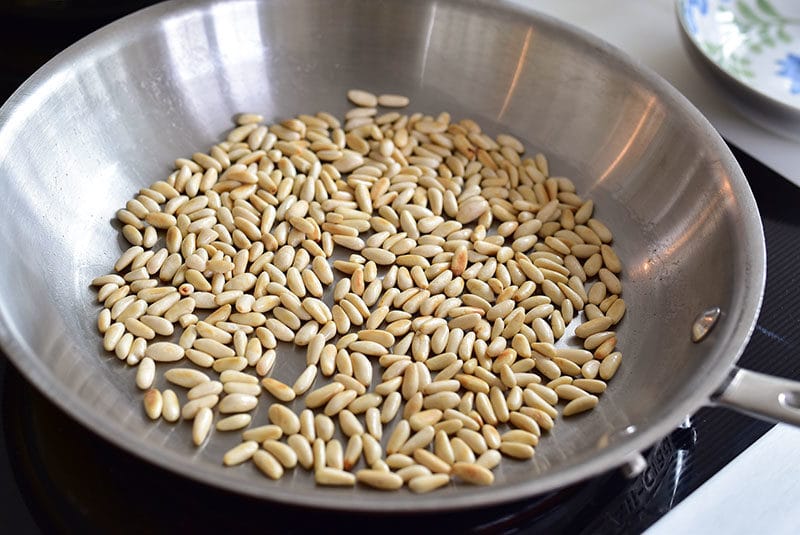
{"type": "Point", "coordinates": [464, 263]}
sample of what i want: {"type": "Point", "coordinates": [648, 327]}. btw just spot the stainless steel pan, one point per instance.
{"type": "Point", "coordinates": [108, 115]}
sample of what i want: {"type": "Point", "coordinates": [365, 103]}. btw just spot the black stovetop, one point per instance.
{"type": "Point", "coordinates": [55, 475]}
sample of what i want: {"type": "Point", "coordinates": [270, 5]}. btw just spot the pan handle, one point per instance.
{"type": "Point", "coordinates": [760, 395]}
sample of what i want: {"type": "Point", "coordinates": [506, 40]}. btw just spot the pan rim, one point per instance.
{"type": "Point", "coordinates": [35, 371]}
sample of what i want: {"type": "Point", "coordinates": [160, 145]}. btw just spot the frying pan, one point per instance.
{"type": "Point", "coordinates": [109, 115]}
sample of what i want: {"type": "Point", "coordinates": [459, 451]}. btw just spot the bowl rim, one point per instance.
{"type": "Point", "coordinates": [776, 104]}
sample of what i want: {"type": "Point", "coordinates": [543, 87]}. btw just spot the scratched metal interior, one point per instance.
{"type": "Point", "coordinates": [107, 117]}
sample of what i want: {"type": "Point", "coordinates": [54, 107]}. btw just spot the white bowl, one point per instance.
{"type": "Point", "coordinates": [753, 48]}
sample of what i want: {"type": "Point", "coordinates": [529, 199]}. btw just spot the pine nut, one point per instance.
{"type": "Point", "coordinates": [278, 389]}
{"type": "Point", "coordinates": [201, 425]}
{"type": "Point", "coordinates": [282, 452]}
{"type": "Point", "coordinates": [420, 439]}
{"type": "Point", "coordinates": [489, 459]}
{"type": "Point", "coordinates": [353, 451]}
{"type": "Point", "coordinates": [334, 478]}
{"type": "Point", "coordinates": [262, 433]}
{"type": "Point", "coordinates": [153, 403]}
{"type": "Point", "coordinates": [190, 409]}
{"type": "Point", "coordinates": [427, 483]}
{"type": "Point", "coordinates": [379, 480]}
{"type": "Point", "coordinates": [164, 352]}
{"type": "Point", "coordinates": [516, 450]}
{"type": "Point", "coordinates": [579, 405]}
{"type": "Point", "coordinates": [431, 461]}
{"type": "Point", "coordinates": [185, 377]}
{"type": "Point", "coordinates": [569, 392]}
{"type": "Point", "coordinates": [284, 418]}
{"type": "Point", "coordinates": [240, 453]}
{"type": "Point", "coordinates": [393, 101]}
{"type": "Point", "coordinates": [473, 474]}
{"type": "Point", "coordinates": [232, 423]}
{"type": "Point", "coordinates": [609, 365]}
{"type": "Point", "coordinates": [268, 464]}
{"type": "Point", "coordinates": [171, 410]}
{"type": "Point", "coordinates": [362, 98]}
{"type": "Point", "coordinates": [145, 374]}
{"type": "Point", "coordinates": [302, 448]}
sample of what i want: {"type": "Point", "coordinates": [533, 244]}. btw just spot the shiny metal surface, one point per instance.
{"type": "Point", "coordinates": [110, 114]}
{"type": "Point", "coordinates": [704, 322]}
{"type": "Point", "coordinates": [764, 396]}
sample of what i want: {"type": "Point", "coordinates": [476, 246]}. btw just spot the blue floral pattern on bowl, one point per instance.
{"type": "Point", "coordinates": [689, 9]}
{"type": "Point", "coordinates": [790, 68]}
{"type": "Point", "coordinates": [755, 41]}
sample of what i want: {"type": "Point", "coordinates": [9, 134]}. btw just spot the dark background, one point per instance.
{"type": "Point", "coordinates": [32, 32]}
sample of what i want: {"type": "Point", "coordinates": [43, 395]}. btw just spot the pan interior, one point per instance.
{"type": "Point", "coordinates": [109, 115]}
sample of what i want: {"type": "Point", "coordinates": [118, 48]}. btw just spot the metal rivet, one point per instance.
{"type": "Point", "coordinates": [613, 436]}
{"type": "Point", "coordinates": [704, 322]}
{"type": "Point", "coordinates": [622, 433]}
{"type": "Point", "coordinates": [634, 466]}
{"type": "Point", "coordinates": [790, 400]}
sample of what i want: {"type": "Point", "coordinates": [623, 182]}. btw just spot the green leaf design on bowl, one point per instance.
{"type": "Point", "coordinates": [752, 41]}
{"type": "Point", "coordinates": [736, 64]}
{"type": "Point", "coordinates": [763, 25]}
{"type": "Point", "coordinates": [768, 8]}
